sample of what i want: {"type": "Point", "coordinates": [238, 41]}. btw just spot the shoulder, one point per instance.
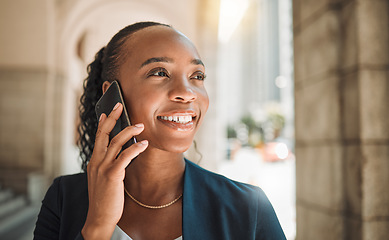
{"type": "Point", "coordinates": [222, 183]}
{"type": "Point", "coordinates": [228, 187]}
{"type": "Point", "coordinates": [71, 180]}
{"type": "Point", "coordinates": [64, 208]}
{"type": "Point", "coordinates": [243, 209]}
{"type": "Point", "coordinates": [66, 190]}
{"type": "Point", "coordinates": [73, 183]}
{"type": "Point", "coordinates": [229, 194]}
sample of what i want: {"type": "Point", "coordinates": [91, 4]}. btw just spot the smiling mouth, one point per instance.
{"type": "Point", "coordinates": [179, 122]}
{"type": "Point", "coordinates": [178, 119]}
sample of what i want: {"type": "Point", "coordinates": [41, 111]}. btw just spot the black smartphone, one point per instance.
{"type": "Point", "coordinates": [106, 104]}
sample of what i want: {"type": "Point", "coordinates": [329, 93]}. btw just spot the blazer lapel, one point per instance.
{"type": "Point", "coordinates": [197, 209]}
{"type": "Point", "coordinates": [189, 216]}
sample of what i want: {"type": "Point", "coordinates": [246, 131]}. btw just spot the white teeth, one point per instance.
{"type": "Point", "coordinates": [179, 119]}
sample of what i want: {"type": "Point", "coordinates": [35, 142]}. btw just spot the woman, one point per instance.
{"type": "Point", "coordinates": [160, 195]}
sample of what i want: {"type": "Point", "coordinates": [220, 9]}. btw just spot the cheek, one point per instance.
{"type": "Point", "coordinates": [204, 100]}
{"type": "Point", "coordinates": [141, 106]}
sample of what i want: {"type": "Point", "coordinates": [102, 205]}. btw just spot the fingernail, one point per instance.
{"type": "Point", "coordinates": [116, 106]}
{"type": "Point", "coordinates": [101, 116]}
{"type": "Point", "coordinates": [144, 142]}
{"type": "Point", "coordinates": [139, 125]}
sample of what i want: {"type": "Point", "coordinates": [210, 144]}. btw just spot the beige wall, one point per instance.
{"type": "Point", "coordinates": [25, 31]}
{"type": "Point", "coordinates": [26, 70]}
{"type": "Point", "coordinates": [342, 131]}
{"type": "Point", "coordinates": [25, 59]}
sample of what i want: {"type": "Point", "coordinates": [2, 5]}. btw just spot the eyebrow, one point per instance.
{"type": "Point", "coordinates": [197, 62]}
{"type": "Point", "coordinates": [156, 59]}
{"type": "Point", "coordinates": [168, 60]}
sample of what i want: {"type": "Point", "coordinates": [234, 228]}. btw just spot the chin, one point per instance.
{"type": "Point", "coordinates": [180, 149]}
{"type": "Point", "coordinates": [177, 147]}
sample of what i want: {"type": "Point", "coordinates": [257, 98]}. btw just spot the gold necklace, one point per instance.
{"type": "Point", "coordinates": [149, 206]}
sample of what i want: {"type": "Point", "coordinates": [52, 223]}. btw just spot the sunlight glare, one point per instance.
{"type": "Point", "coordinates": [231, 13]}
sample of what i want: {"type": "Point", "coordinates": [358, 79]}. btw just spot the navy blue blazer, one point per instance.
{"type": "Point", "coordinates": [214, 207]}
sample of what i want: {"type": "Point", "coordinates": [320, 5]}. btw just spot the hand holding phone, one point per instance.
{"type": "Point", "coordinates": [106, 168]}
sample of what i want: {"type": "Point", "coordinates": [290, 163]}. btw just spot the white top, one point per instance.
{"type": "Point", "coordinates": [119, 234]}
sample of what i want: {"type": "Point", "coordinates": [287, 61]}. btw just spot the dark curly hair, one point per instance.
{"type": "Point", "coordinates": [103, 68]}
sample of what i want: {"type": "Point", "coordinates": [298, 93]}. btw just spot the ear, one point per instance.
{"type": "Point", "coordinates": [106, 84]}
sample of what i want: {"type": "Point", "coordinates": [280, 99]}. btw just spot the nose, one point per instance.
{"type": "Point", "coordinates": [182, 91]}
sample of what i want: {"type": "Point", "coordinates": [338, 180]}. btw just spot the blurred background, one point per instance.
{"type": "Point", "coordinates": [298, 102]}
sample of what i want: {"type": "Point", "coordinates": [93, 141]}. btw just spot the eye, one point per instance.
{"type": "Point", "coordinates": [158, 72]}
{"type": "Point", "coordinates": [199, 76]}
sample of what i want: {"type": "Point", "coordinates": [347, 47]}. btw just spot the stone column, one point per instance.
{"type": "Point", "coordinates": [342, 109]}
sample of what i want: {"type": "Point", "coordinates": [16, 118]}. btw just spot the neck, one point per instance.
{"type": "Point", "coordinates": [156, 174]}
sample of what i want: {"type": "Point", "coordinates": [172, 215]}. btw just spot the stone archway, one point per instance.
{"type": "Point", "coordinates": [92, 24]}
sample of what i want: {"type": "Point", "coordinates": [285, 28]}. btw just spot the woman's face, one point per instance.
{"type": "Point", "coordinates": [162, 79]}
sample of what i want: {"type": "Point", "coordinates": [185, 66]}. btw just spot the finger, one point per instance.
{"type": "Point", "coordinates": [109, 123]}
{"type": "Point", "coordinates": [130, 153]}
{"type": "Point", "coordinates": [96, 148]}
{"type": "Point", "coordinates": [119, 140]}
{"type": "Point", "coordinates": [102, 117]}
{"type": "Point", "coordinates": [105, 127]}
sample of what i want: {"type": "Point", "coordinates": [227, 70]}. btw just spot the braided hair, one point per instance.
{"type": "Point", "coordinates": [104, 68]}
